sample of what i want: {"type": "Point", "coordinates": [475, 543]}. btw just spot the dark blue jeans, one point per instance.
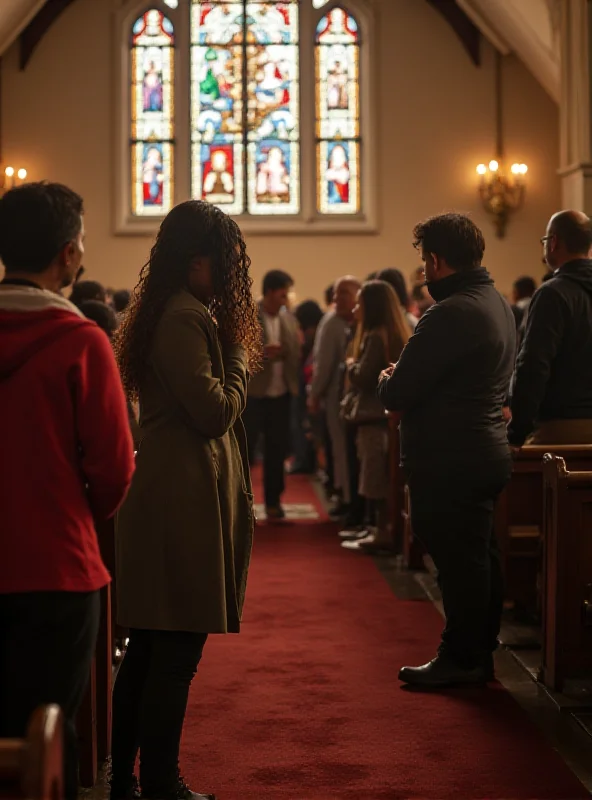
{"type": "Point", "coordinates": [452, 515]}
{"type": "Point", "coordinates": [149, 704]}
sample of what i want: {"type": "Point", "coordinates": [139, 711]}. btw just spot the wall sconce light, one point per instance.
{"type": "Point", "coordinates": [501, 194]}
{"type": "Point", "coordinates": [11, 177]}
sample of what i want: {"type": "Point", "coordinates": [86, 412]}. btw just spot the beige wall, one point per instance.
{"type": "Point", "coordinates": [435, 124]}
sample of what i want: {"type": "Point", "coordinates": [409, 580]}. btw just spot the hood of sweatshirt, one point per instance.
{"type": "Point", "coordinates": [30, 320]}
{"type": "Point", "coordinates": [579, 271]}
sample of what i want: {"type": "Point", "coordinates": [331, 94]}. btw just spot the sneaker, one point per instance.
{"type": "Point", "coordinates": [129, 791]}
{"type": "Point", "coordinates": [353, 533]}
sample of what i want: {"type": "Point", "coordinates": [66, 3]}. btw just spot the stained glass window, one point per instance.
{"type": "Point", "coordinates": [245, 126]}
{"type": "Point", "coordinates": [152, 114]}
{"type": "Point", "coordinates": [338, 113]}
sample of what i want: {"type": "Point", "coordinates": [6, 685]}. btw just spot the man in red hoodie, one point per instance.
{"type": "Point", "coordinates": [66, 459]}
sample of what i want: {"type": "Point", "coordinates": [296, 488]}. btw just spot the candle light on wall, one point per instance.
{"type": "Point", "coordinates": [11, 177]}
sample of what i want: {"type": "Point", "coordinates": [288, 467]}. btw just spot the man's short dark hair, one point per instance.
{"type": "Point", "coordinates": [397, 281]}
{"type": "Point", "coordinates": [329, 294]}
{"type": "Point", "coordinates": [574, 231]}
{"type": "Point", "coordinates": [36, 221]}
{"type": "Point", "coordinates": [276, 279]}
{"type": "Point", "coordinates": [121, 299]}
{"type": "Point", "coordinates": [453, 237]}
{"type": "Point", "coordinates": [102, 314]}
{"type": "Point", "coordinates": [309, 314]}
{"type": "Point", "coordinates": [525, 287]}
{"type": "Point", "coordinates": [87, 290]}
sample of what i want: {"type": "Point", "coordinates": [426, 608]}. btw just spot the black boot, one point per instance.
{"type": "Point", "coordinates": [442, 671]}
{"type": "Point", "coordinates": [128, 790]}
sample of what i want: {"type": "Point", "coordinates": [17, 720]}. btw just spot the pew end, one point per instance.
{"type": "Point", "coordinates": [32, 768]}
{"type": "Point", "coordinates": [567, 573]}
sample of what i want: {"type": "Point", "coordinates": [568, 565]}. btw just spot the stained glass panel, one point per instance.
{"type": "Point", "coordinates": [152, 114]}
{"type": "Point", "coordinates": [338, 113]}
{"type": "Point", "coordinates": [245, 105]}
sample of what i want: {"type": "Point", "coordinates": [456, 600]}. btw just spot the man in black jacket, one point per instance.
{"type": "Point", "coordinates": [450, 385]}
{"type": "Point", "coordinates": [552, 385]}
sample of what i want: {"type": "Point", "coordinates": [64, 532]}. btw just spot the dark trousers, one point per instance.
{"type": "Point", "coordinates": [149, 704]}
{"type": "Point", "coordinates": [270, 417]}
{"type": "Point", "coordinates": [452, 515]}
{"type": "Point", "coordinates": [357, 508]}
{"type": "Point", "coordinates": [47, 642]}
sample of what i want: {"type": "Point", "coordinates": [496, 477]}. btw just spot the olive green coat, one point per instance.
{"type": "Point", "coordinates": [185, 531]}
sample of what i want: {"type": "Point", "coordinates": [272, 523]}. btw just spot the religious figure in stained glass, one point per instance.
{"type": "Point", "coordinates": [338, 113]}
{"type": "Point", "coordinates": [152, 114]}
{"type": "Point", "coordinates": [245, 104]}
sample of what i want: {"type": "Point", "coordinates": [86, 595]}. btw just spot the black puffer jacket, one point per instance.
{"type": "Point", "coordinates": [553, 377]}
{"type": "Point", "coordinates": [452, 378]}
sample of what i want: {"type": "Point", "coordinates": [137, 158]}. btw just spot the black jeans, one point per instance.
{"type": "Point", "coordinates": [47, 642]}
{"type": "Point", "coordinates": [357, 508]}
{"type": "Point", "coordinates": [452, 515]}
{"type": "Point", "coordinates": [269, 416]}
{"type": "Point", "coordinates": [149, 704]}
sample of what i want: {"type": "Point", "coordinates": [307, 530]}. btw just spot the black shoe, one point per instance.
{"type": "Point", "coordinates": [338, 511]}
{"type": "Point", "coordinates": [440, 672]}
{"type": "Point", "coordinates": [275, 512]}
{"type": "Point", "coordinates": [128, 791]}
{"type": "Point", "coordinates": [182, 792]}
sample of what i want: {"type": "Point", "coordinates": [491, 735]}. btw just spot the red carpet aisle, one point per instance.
{"type": "Point", "coordinates": [305, 704]}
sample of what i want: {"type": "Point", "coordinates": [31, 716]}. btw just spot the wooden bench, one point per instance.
{"type": "Point", "coordinates": [519, 519]}
{"type": "Point", "coordinates": [567, 574]}
{"type": "Point", "coordinates": [33, 768]}
{"type": "Point", "coordinates": [94, 717]}
{"type": "Point", "coordinates": [399, 512]}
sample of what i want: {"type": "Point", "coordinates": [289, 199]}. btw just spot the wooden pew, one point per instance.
{"type": "Point", "coordinates": [33, 768]}
{"type": "Point", "coordinates": [567, 574]}
{"type": "Point", "coordinates": [519, 519]}
{"type": "Point", "coordinates": [399, 510]}
{"type": "Point", "coordinates": [94, 718]}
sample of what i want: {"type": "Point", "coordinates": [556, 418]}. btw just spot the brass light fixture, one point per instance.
{"type": "Point", "coordinates": [501, 193]}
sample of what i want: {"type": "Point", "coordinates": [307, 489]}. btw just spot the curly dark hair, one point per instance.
{"type": "Point", "coordinates": [453, 237]}
{"type": "Point", "coordinates": [191, 230]}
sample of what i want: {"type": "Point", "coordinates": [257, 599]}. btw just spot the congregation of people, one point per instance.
{"type": "Point", "coordinates": [155, 406]}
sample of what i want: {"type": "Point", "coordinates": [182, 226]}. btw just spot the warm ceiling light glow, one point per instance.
{"type": "Point", "coordinates": [523, 169]}
{"type": "Point", "coordinates": [9, 172]}
{"type": "Point", "coordinates": [515, 169]}
{"type": "Point", "coordinates": [493, 166]}
{"type": "Point", "coordinates": [22, 173]}
{"type": "Point", "coordinates": [481, 169]}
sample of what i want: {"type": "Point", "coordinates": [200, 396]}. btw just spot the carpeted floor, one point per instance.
{"type": "Point", "coordinates": [305, 703]}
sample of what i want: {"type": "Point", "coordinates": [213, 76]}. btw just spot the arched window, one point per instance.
{"type": "Point", "coordinates": [152, 115]}
{"type": "Point", "coordinates": [258, 106]}
{"type": "Point", "coordinates": [338, 113]}
{"type": "Point", "coordinates": [245, 116]}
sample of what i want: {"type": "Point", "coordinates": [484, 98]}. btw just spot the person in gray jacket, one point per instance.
{"type": "Point", "coordinates": [328, 371]}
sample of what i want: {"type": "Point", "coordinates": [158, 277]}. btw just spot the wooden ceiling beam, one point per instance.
{"type": "Point", "coordinates": [38, 27]}
{"type": "Point", "coordinates": [468, 33]}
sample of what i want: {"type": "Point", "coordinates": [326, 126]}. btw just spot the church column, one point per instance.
{"type": "Point", "coordinates": [576, 105]}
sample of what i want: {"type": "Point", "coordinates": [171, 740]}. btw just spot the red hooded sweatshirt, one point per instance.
{"type": "Point", "coordinates": [66, 452]}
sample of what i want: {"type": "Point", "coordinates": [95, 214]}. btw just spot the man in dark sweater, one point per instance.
{"type": "Point", "coordinates": [552, 385]}
{"type": "Point", "coordinates": [450, 385]}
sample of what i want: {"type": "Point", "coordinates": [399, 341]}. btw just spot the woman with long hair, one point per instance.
{"type": "Point", "coordinates": [184, 533]}
{"type": "Point", "coordinates": [382, 333]}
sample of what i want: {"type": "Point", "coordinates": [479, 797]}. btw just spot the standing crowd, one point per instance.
{"type": "Point", "coordinates": [220, 380]}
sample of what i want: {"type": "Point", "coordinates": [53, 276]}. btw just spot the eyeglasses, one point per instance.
{"type": "Point", "coordinates": [547, 237]}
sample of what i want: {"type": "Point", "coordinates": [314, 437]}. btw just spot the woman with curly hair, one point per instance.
{"type": "Point", "coordinates": [184, 533]}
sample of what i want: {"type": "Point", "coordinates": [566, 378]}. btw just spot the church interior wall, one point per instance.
{"type": "Point", "coordinates": [435, 123]}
